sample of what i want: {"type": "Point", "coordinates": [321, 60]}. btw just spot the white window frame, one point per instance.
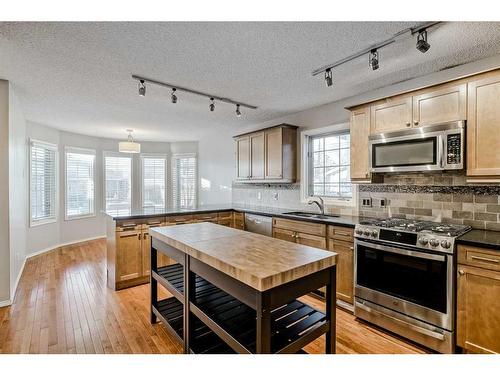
{"type": "Point", "coordinates": [196, 176]}
{"type": "Point", "coordinates": [153, 156]}
{"type": "Point", "coordinates": [305, 137]}
{"type": "Point", "coordinates": [123, 155]}
{"type": "Point", "coordinates": [53, 219]}
{"type": "Point", "coordinates": [78, 150]}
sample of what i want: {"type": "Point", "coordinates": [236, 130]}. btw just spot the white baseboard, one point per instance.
{"type": "Point", "coordinates": [63, 244]}
{"type": "Point", "coordinates": [5, 303]}
{"type": "Point", "coordinates": [14, 289]}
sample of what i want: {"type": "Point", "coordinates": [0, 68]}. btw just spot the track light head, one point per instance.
{"type": "Point", "coordinates": [328, 77]}
{"type": "Point", "coordinates": [238, 112]}
{"type": "Point", "coordinates": [142, 88]}
{"type": "Point", "coordinates": [212, 105]}
{"type": "Point", "coordinates": [422, 44]}
{"type": "Point", "coordinates": [173, 97]}
{"type": "Point", "coordinates": [374, 60]}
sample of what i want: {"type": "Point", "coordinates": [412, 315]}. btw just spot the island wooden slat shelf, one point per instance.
{"type": "Point", "coordinates": [289, 323]}
{"type": "Point", "coordinates": [261, 314]}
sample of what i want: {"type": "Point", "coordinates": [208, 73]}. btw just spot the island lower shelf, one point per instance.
{"type": "Point", "coordinates": [223, 324]}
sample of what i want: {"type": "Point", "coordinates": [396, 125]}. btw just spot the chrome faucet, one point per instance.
{"type": "Point", "coordinates": [320, 204]}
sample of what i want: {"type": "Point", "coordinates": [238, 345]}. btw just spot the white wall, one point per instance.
{"type": "Point", "coordinates": [64, 231]}
{"type": "Point", "coordinates": [4, 194]}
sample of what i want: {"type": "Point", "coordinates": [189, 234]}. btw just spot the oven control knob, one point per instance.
{"type": "Point", "coordinates": [434, 242]}
{"type": "Point", "coordinates": [445, 244]}
{"type": "Point", "coordinates": [423, 241]}
{"type": "Point", "coordinates": [359, 231]}
{"type": "Point", "coordinates": [367, 232]}
{"type": "Point", "coordinates": [374, 233]}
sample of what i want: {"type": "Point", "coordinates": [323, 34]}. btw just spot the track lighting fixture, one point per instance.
{"type": "Point", "coordinates": [212, 105]}
{"type": "Point", "coordinates": [142, 88]}
{"type": "Point", "coordinates": [373, 60]}
{"type": "Point", "coordinates": [328, 77]}
{"type": "Point", "coordinates": [173, 97]}
{"type": "Point", "coordinates": [238, 112]}
{"type": "Point", "coordinates": [422, 44]}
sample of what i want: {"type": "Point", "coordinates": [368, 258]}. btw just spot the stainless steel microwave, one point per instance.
{"type": "Point", "coordinates": [429, 148]}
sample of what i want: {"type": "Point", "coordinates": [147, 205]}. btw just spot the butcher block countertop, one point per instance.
{"type": "Point", "coordinates": [258, 261]}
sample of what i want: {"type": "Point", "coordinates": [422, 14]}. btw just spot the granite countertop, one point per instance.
{"type": "Point", "coordinates": [341, 220]}
{"type": "Point", "coordinates": [260, 262]}
{"type": "Point", "coordinates": [481, 238]}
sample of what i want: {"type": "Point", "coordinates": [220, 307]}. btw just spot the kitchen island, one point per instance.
{"type": "Point", "coordinates": [234, 291]}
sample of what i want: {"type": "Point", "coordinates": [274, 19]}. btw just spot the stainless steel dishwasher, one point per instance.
{"type": "Point", "coordinates": [259, 224]}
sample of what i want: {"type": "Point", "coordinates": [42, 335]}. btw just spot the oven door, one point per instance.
{"type": "Point", "coordinates": [416, 152]}
{"type": "Point", "coordinates": [416, 283]}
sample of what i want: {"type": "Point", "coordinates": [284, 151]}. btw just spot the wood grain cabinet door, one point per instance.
{"type": "Point", "coordinates": [284, 234]}
{"type": "Point", "coordinates": [483, 125]}
{"type": "Point", "coordinates": [345, 269]}
{"type": "Point", "coordinates": [310, 240]}
{"type": "Point", "coordinates": [395, 114]}
{"type": "Point", "coordinates": [146, 253]}
{"type": "Point", "coordinates": [257, 156]}
{"type": "Point", "coordinates": [274, 153]}
{"type": "Point", "coordinates": [442, 105]}
{"type": "Point", "coordinates": [360, 130]}
{"type": "Point", "coordinates": [129, 255]}
{"type": "Point", "coordinates": [243, 158]}
{"type": "Point", "coordinates": [478, 305]}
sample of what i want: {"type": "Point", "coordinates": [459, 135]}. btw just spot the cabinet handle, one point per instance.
{"type": "Point", "coordinates": [481, 259]}
{"type": "Point", "coordinates": [415, 123]}
{"type": "Point", "coordinates": [351, 247]}
{"type": "Point", "coordinates": [461, 272]}
{"type": "Point", "coordinates": [139, 236]}
{"type": "Point", "coordinates": [343, 234]}
{"type": "Point", "coordinates": [408, 124]}
{"type": "Point", "coordinates": [127, 235]}
{"type": "Point", "coordinates": [144, 235]}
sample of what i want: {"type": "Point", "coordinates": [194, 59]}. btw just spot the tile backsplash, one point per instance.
{"type": "Point", "coordinates": [442, 197]}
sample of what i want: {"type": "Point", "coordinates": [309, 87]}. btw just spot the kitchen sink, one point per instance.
{"type": "Point", "coordinates": [310, 215]}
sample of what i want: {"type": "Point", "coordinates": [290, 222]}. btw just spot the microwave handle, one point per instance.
{"type": "Point", "coordinates": [441, 152]}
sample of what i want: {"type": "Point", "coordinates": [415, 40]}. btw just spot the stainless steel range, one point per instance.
{"type": "Point", "coordinates": [404, 278]}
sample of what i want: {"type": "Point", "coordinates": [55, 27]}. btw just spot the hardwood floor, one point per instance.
{"type": "Point", "coordinates": [63, 306]}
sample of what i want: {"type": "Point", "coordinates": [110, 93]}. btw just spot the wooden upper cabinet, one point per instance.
{"type": "Point", "coordinates": [394, 114]}
{"type": "Point", "coordinates": [359, 130]}
{"type": "Point", "coordinates": [442, 105]}
{"type": "Point", "coordinates": [268, 155]}
{"type": "Point", "coordinates": [257, 156]}
{"type": "Point", "coordinates": [243, 157]}
{"type": "Point", "coordinates": [483, 125]}
{"type": "Point", "coordinates": [274, 153]}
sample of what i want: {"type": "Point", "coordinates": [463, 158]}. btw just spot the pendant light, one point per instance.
{"type": "Point", "coordinates": [129, 146]}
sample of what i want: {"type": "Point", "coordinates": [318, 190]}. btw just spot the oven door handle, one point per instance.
{"type": "Point", "coordinates": [396, 250]}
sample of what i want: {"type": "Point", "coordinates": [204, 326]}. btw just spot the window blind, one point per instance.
{"type": "Point", "coordinates": [80, 193]}
{"type": "Point", "coordinates": [43, 181]}
{"type": "Point", "coordinates": [184, 180]}
{"type": "Point", "coordinates": [118, 183]}
{"type": "Point", "coordinates": [329, 165]}
{"type": "Point", "coordinates": [153, 181]}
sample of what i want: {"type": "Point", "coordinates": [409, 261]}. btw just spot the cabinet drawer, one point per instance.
{"type": "Point", "coordinates": [225, 215]}
{"type": "Point", "coordinates": [127, 226]}
{"type": "Point", "coordinates": [226, 222]}
{"type": "Point", "coordinates": [340, 233]}
{"type": "Point", "coordinates": [300, 226]}
{"type": "Point", "coordinates": [479, 257]}
{"type": "Point", "coordinates": [205, 217]}
{"type": "Point", "coordinates": [180, 219]}
{"type": "Point", "coordinates": [311, 240]}
{"type": "Point", "coordinates": [284, 234]}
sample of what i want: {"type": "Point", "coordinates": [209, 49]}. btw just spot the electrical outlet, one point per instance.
{"type": "Point", "coordinates": [383, 202]}
{"type": "Point", "coordinates": [259, 195]}
{"type": "Point", "coordinates": [275, 196]}
{"type": "Point", "coordinates": [366, 202]}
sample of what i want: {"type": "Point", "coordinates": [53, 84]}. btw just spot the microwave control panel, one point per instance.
{"type": "Point", "coordinates": [453, 149]}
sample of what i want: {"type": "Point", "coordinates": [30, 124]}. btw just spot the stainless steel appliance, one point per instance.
{"type": "Point", "coordinates": [259, 224]}
{"type": "Point", "coordinates": [429, 148]}
{"type": "Point", "coordinates": [404, 278]}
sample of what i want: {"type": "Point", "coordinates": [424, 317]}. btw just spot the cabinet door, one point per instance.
{"type": "Point", "coordinates": [483, 135]}
{"type": "Point", "coordinates": [274, 153]}
{"type": "Point", "coordinates": [310, 240]}
{"type": "Point", "coordinates": [257, 156]}
{"type": "Point", "coordinates": [345, 269]}
{"type": "Point", "coordinates": [443, 105]}
{"type": "Point", "coordinates": [478, 305]}
{"type": "Point", "coordinates": [395, 114]}
{"type": "Point", "coordinates": [284, 234]}
{"type": "Point", "coordinates": [146, 254]}
{"type": "Point", "coordinates": [243, 158]}
{"type": "Point", "coordinates": [360, 130]}
{"type": "Point", "coordinates": [129, 255]}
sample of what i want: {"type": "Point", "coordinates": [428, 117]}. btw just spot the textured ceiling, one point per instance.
{"type": "Point", "coordinates": [76, 76]}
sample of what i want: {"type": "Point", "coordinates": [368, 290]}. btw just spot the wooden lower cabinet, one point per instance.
{"type": "Point", "coordinates": [345, 269]}
{"type": "Point", "coordinates": [311, 240]}
{"type": "Point", "coordinates": [478, 300]}
{"type": "Point", "coordinates": [238, 220]}
{"type": "Point", "coordinates": [129, 254]}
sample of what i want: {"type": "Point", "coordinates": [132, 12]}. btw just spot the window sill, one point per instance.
{"type": "Point", "coordinates": [38, 223]}
{"type": "Point", "coordinates": [77, 217]}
